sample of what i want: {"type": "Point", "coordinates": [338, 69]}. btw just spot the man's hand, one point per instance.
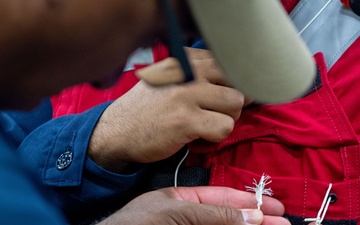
{"type": "Point", "coordinates": [168, 71]}
{"type": "Point", "coordinates": [149, 123]}
{"type": "Point", "coordinates": [198, 206]}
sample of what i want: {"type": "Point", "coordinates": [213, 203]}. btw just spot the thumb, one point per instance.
{"type": "Point", "coordinates": [252, 216]}
{"type": "Point", "coordinates": [228, 215]}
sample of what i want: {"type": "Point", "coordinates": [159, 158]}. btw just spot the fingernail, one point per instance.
{"type": "Point", "coordinates": [252, 216]}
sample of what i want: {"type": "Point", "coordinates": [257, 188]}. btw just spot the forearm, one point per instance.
{"type": "Point", "coordinates": [81, 183]}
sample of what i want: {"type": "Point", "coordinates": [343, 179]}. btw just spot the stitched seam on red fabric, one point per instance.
{"type": "Point", "coordinates": [305, 193]}
{"type": "Point", "coordinates": [213, 175]}
{"type": "Point", "coordinates": [252, 134]}
{"type": "Point", "coordinates": [321, 68]}
{"type": "Point", "coordinates": [345, 159]}
{"type": "Point", "coordinates": [327, 112]}
{"type": "Point", "coordinates": [224, 159]}
{"type": "Point", "coordinates": [223, 176]}
{"type": "Point", "coordinates": [349, 183]}
{"type": "Point", "coordinates": [337, 131]}
{"type": "Point", "coordinates": [339, 115]}
{"type": "Point", "coordinates": [350, 204]}
{"type": "Point", "coordinates": [315, 88]}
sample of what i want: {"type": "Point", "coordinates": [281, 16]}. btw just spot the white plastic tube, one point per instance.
{"type": "Point", "coordinates": [257, 46]}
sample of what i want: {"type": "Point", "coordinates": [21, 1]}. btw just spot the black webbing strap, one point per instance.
{"type": "Point", "coordinates": [162, 174]}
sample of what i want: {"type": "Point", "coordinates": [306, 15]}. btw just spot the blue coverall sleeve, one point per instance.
{"type": "Point", "coordinates": [56, 152]}
{"type": "Point", "coordinates": [23, 201]}
{"type": "Point", "coordinates": [18, 124]}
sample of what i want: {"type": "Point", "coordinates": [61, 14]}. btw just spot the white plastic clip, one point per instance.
{"type": "Point", "coordinates": [260, 189]}
{"type": "Point", "coordinates": [323, 209]}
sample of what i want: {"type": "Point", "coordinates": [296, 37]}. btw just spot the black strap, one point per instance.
{"type": "Point", "coordinates": [162, 174]}
{"type": "Point", "coordinates": [175, 40]}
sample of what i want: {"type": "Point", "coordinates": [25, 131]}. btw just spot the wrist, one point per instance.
{"type": "Point", "coordinates": [112, 165]}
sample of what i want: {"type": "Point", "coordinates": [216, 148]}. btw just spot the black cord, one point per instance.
{"type": "Point", "coordinates": [175, 40]}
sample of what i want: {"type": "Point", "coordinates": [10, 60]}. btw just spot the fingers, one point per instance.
{"type": "Point", "coordinates": [216, 110]}
{"type": "Point", "coordinates": [207, 69]}
{"type": "Point", "coordinates": [193, 205]}
{"type": "Point", "coordinates": [272, 206]}
{"type": "Point", "coordinates": [231, 199]}
{"type": "Point", "coordinates": [196, 53]}
{"type": "Point", "coordinates": [167, 71]}
{"type": "Point", "coordinates": [208, 111]}
{"type": "Point", "coordinates": [220, 99]}
{"type": "Point", "coordinates": [211, 126]}
{"type": "Point", "coordinates": [215, 215]}
{"type": "Point", "coordinates": [223, 214]}
{"type": "Point", "coordinates": [228, 196]}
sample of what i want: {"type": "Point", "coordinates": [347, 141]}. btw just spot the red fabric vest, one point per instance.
{"type": "Point", "coordinates": [303, 145]}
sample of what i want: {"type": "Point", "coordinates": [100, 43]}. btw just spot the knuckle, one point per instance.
{"type": "Point", "coordinates": [227, 128]}
{"type": "Point", "coordinates": [221, 129]}
{"type": "Point", "coordinates": [170, 63]}
{"type": "Point", "coordinates": [231, 96]}
{"type": "Point", "coordinates": [237, 98]}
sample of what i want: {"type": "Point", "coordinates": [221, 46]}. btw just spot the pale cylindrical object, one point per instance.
{"type": "Point", "coordinates": [257, 47]}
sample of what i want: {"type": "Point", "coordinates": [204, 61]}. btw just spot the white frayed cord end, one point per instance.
{"type": "Point", "coordinates": [260, 189]}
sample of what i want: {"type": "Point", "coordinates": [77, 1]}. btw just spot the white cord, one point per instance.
{"type": "Point", "coordinates": [315, 17]}
{"type": "Point", "coordinates": [260, 189]}
{"type": "Point", "coordinates": [323, 209]}
{"type": "Point", "coordinates": [178, 166]}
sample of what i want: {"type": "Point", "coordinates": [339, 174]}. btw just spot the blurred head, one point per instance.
{"type": "Point", "coordinates": [57, 50]}
{"type": "Point", "coordinates": [24, 88]}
